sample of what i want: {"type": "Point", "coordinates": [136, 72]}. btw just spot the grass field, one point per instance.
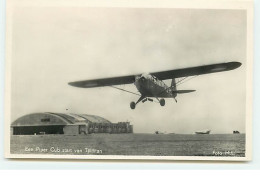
{"type": "Point", "coordinates": [132, 144]}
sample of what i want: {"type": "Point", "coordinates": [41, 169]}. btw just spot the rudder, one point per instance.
{"type": "Point", "coordinates": [173, 85]}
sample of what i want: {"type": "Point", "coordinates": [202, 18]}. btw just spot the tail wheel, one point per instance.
{"type": "Point", "coordinates": [132, 105]}
{"type": "Point", "coordinates": [162, 102]}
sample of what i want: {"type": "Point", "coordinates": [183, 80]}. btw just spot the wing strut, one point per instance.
{"type": "Point", "coordinates": [184, 80]}
{"type": "Point", "coordinates": [125, 90]}
{"type": "Point", "coordinates": [179, 81]}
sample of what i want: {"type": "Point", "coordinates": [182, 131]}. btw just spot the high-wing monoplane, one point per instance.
{"type": "Point", "coordinates": [152, 85]}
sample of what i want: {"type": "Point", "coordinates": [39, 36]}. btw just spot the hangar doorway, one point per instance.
{"type": "Point", "coordinates": [37, 130]}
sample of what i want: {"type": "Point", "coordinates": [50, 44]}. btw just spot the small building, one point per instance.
{"type": "Point", "coordinates": [68, 124]}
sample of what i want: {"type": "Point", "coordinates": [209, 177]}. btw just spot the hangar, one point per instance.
{"type": "Point", "coordinates": [66, 123]}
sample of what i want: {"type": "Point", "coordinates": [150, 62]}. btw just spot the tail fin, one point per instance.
{"type": "Point", "coordinates": [173, 85]}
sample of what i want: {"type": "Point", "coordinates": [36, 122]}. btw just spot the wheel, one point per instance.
{"type": "Point", "coordinates": [162, 102]}
{"type": "Point", "coordinates": [132, 105]}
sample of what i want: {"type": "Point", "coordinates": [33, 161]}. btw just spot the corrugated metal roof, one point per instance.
{"type": "Point", "coordinates": [74, 118]}
{"type": "Point", "coordinates": [93, 118]}
{"type": "Point", "coordinates": [47, 118]}
{"type": "Point", "coordinates": [43, 119]}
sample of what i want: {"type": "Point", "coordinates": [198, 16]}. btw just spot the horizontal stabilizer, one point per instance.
{"type": "Point", "coordinates": [183, 91]}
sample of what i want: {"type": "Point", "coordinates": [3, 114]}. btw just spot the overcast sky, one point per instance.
{"type": "Point", "coordinates": [53, 46]}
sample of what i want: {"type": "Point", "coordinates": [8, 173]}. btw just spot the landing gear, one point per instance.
{"type": "Point", "coordinates": [144, 99]}
{"type": "Point", "coordinates": [162, 102]}
{"type": "Point", "coordinates": [132, 105]}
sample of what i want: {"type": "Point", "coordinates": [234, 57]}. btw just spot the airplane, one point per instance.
{"type": "Point", "coordinates": [151, 85]}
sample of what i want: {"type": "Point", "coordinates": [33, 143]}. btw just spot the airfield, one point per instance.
{"type": "Point", "coordinates": [229, 145]}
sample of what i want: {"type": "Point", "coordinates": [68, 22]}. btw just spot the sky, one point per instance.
{"type": "Point", "coordinates": [52, 46]}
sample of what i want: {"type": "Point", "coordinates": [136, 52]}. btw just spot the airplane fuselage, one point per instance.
{"type": "Point", "coordinates": [150, 86]}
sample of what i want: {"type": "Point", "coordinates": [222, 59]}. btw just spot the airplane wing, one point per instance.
{"type": "Point", "coordinates": [104, 82]}
{"type": "Point", "coordinates": [163, 75]}
{"type": "Point", "coordinates": [199, 70]}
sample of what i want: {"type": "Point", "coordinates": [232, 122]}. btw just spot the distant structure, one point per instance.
{"type": "Point", "coordinates": [158, 132]}
{"type": "Point", "coordinates": [236, 132]}
{"type": "Point", "coordinates": [68, 124]}
{"type": "Point", "coordinates": [203, 132]}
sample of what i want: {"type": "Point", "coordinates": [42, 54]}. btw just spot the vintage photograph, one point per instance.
{"type": "Point", "coordinates": [128, 83]}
